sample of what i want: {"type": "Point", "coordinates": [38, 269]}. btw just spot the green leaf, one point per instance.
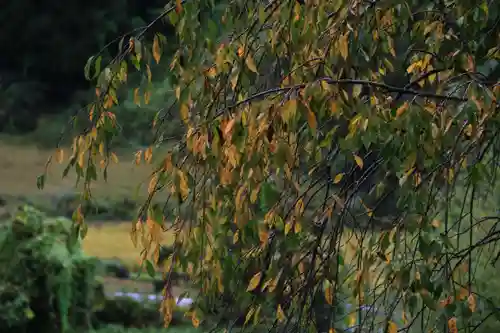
{"type": "Point", "coordinates": [97, 67]}
{"type": "Point", "coordinates": [40, 182]}
{"type": "Point", "coordinates": [86, 70]}
{"type": "Point", "coordinates": [150, 269]}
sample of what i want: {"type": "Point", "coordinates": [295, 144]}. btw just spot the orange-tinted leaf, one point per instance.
{"type": "Point", "coordinates": [311, 119]}
{"type": "Point", "coordinates": [471, 301]}
{"type": "Point", "coordinates": [229, 126]}
{"type": "Point", "coordinates": [60, 155]}
{"type": "Point", "coordinates": [402, 109]}
{"type": "Point", "coordinates": [195, 320]}
{"type": "Point", "coordinates": [156, 49]}
{"type": "Point", "coordinates": [148, 155]}
{"type": "Point", "coordinates": [392, 328]}
{"type": "Point", "coordinates": [343, 44]}
{"type": "Point", "coordinates": [452, 325]}
{"type": "Point", "coordinates": [329, 294]}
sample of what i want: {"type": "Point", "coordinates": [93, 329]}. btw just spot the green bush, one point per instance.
{"type": "Point", "coordinates": [128, 312]}
{"type": "Point", "coordinates": [47, 284]}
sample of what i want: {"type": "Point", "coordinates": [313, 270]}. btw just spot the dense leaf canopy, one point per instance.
{"type": "Point", "coordinates": [323, 144]}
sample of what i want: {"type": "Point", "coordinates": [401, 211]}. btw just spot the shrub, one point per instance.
{"type": "Point", "coordinates": [47, 284]}
{"type": "Point", "coordinates": [131, 313]}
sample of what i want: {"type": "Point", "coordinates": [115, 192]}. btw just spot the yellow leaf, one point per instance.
{"type": "Point", "coordinates": [183, 183]}
{"type": "Point", "coordinates": [436, 223]}
{"type": "Point", "coordinates": [254, 194]}
{"type": "Point", "coordinates": [299, 207]}
{"type": "Point", "coordinates": [251, 64]}
{"type": "Point", "coordinates": [289, 110]}
{"type": "Point", "coordinates": [256, 315]}
{"type": "Point", "coordinates": [390, 42]}
{"type": "Point", "coordinates": [273, 284]}
{"type": "Point", "coordinates": [392, 327]}
{"type": "Point", "coordinates": [297, 227]}
{"type": "Point", "coordinates": [80, 160]}
{"type": "Point", "coordinates": [288, 227]}
{"type": "Point", "coordinates": [344, 45]}
{"type": "Point", "coordinates": [329, 294]}
{"type": "Point", "coordinates": [147, 97]}
{"type": "Point", "coordinates": [413, 66]}
{"type": "Point", "coordinates": [331, 330]}
{"type": "Point", "coordinates": [249, 315]}
{"type": "Point", "coordinates": [184, 113]}
{"type": "Point", "coordinates": [137, 100]}
{"type": "Point", "coordinates": [356, 91]}
{"type": "Point", "coordinates": [152, 184]}
{"type": "Point", "coordinates": [338, 178]}
{"type": "Point", "coordinates": [402, 109]}
{"type": "Point", "coordinates": [280, 315]}
{"type": "Point", "coordinates": [114, 158]}
{"type": "Point", "coordinates": [254, 281]}
{"type": "Point", "coordinates": [352, 319]}
{"type": "Point", "coordinates": [236, 237]}
{"type": "Point", "coordinates": [60, 155]}
{"type": "Point", "coordinates": [156, 49]}
{"type": "Point", "coordinates": [311, 119]}
{"type": "Point", "coordinates": [359, 161]}
{"type": "Point", "coordinates": [109, 102]}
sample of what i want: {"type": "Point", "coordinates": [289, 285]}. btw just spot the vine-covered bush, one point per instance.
{"type": "Point", "coordinates": [47, 284]}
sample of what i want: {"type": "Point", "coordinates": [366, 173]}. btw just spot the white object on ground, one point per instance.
{"type": "Point", "coordinates": [183, 302]}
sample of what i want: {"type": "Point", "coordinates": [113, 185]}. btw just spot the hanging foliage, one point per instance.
{"type": "Point", "coordinates": [322, 142]}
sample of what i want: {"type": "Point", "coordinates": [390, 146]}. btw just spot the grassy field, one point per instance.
{"type": "Point", "coordinates": [112, 240]}
{"type": "Point", "coordinates": [21, 164]}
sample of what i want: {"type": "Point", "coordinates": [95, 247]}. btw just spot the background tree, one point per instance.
{"type": "Point", "coordinates": [300, 119]}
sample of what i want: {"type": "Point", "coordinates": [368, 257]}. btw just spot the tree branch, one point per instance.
{"type": "Point", "coordinates": [378, 85]}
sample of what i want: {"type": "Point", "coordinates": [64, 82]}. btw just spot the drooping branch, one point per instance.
{"type": "Point", "coordinates": [373, 84]}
